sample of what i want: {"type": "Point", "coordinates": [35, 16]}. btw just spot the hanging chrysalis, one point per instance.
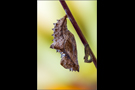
{"type": "Point", "coordinates": [64, 42]}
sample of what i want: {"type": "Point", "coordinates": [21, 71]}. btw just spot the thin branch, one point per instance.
{"type": "Point", "coordinates": [88, 51]}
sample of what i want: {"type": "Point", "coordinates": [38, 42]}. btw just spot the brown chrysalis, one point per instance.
{"type": "Point", "coordinates": [64, 42]}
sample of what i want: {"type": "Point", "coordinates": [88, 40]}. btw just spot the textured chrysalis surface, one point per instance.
{"type": "Point", "coordinates": [64, 42]}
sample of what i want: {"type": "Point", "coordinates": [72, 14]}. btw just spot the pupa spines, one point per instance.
{"type": "Point", "coordinates": [55, 24]}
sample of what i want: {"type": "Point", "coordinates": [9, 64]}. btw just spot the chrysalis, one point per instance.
{"type": "Point", "coordinates": [64, 42]}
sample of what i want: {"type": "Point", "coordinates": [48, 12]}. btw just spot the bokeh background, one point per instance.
{"type": "Point", "coordinates": [50, 74]}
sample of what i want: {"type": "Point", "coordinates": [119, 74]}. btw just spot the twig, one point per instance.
{"type": "Point", "coordinates": [88, 51]}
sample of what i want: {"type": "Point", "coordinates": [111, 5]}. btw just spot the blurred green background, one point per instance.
{"type": "Point", "coordinates": [50, 74]}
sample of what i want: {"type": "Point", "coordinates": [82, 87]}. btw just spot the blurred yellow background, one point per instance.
{"type": "Point", "coordinates": [50, 74]}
